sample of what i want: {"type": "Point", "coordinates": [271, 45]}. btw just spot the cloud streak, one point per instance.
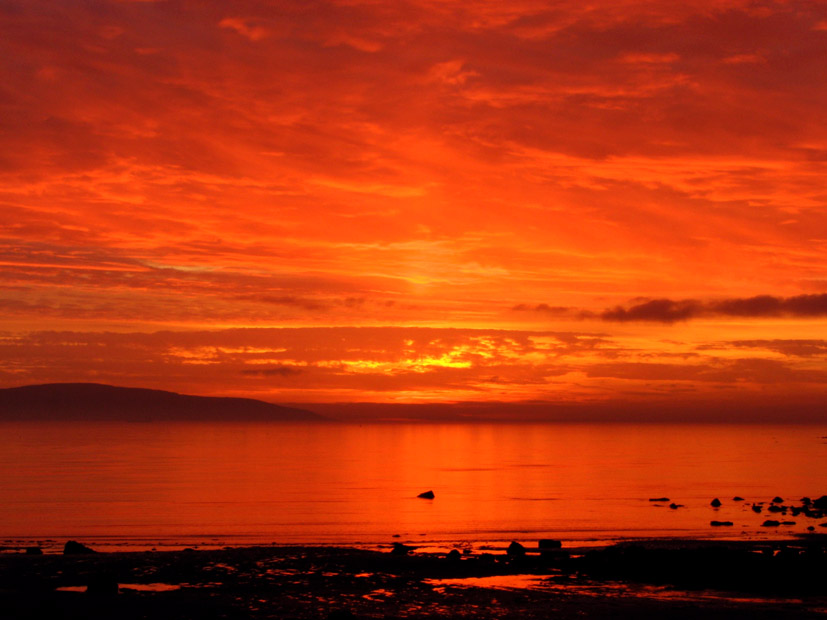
{"type": "Point", "coordinates": [759, 306]}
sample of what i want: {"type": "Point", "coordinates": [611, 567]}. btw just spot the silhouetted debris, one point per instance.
{"type": "Point", "coordinates": [73, 547]}
{"type": "Point", "coordinates": [777, 500]}
{"type": "Point", "coordinates": [400, 549]}
{"type": "Point", "coordinates": [737, 499]}
{"type": "Point", "coordinates": [806, 501]}
{"type": "Point", "coordinates": [788, 523]}
{"type": "Point", "coordinates": [757, 508]}
{"type": "Point", "coordinates": [34, 551]}
{"type": "Point", "coordinates": [314, 583]}
{"type": "Point", "coordinates": [770, 523]}
{"type": "Point", "coordinates": [720, 523]}
{"type": "Point", "coordinates": [715, 503]}
{"type": "Point", "coordinates": [777, 508]}
{"type": "Point", "coordinates": [427, 495]}
{"type": "Point", "coordinates": [453, 555]}
{"type": "Point", "coordinates": [658, 499]}
{"type": "Point", "coordinates": [820, 503]}
{"type": "Point", "coordinates": [515, 549]}
{"type": "Point", "coordinates": [675, 506]}
{"type": "Point", "coordinates": [548, 543]}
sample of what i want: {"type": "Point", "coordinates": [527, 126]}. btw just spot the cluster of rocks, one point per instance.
{"type": "Point", "coordinates": [810, 508]}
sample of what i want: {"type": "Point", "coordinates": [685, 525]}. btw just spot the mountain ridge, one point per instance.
{"type": "Point", "coordinates": [101, 402]}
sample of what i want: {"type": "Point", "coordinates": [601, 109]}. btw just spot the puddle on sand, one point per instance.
{"type": "Point", "coordinates": [378, 595]}
{"type": "Point", "coordinates": [612, 589]}
{"type": "Point", "coordinates": [500, 582]}
{"type": "Point", "coordinates": [139, 587]}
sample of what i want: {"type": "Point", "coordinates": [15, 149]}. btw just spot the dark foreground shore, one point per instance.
{"type": "Point", "coordinates": [674, 579]}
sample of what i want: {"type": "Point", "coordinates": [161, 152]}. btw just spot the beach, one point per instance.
{"type": "Point", "coordinates": [637, 579]}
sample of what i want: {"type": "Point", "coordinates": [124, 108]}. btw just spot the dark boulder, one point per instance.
{"type": "Point", "coordinates": [806, 501]}
{"type": "Point", "coordinates": [548, 543]}
{"type": "Point", "coordinates": [75, 548]}
{"type": "Point", "coordinates": [515, 549]}
{"type": "Point", "coordinates": [770, 523]}
{"type": "Point", "coordinates": [737, 499]}
{"type": "Point", "coordinates": [34, 551]}
{"type": "Point", "coordinates": [788, 523]}
{"type": "Point", "coordinates": [453, 555]}
{"type": "Point", "coordinates": [658, 499]}
{"type": "Point", "coordinates": [675, 506]}
{"type": "Point", "coordinates": [715, 503]}
{"type": "Point", "coordinates": [720, 523]}
{"type": "Point", "coordinates": [427, 495]}
{"type": "Point", "coordinates": [400, 549]}
{"type": "Point", "coordinates": [777, 500]}
{"type": "Point", "coordinates": [820, 503]}
{"type": "Point", "coordinates": [757, 508]}
{"type": "Point", "coordinates": [776, 508]}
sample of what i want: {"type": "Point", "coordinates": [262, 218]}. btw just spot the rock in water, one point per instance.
{"type": "Point", "coordinates": [720, 523]}
{"type": "Point", "coordinates": [515, 549]}
{"type": "Point", "coordinates": [453, 555]}
{"type": "Point", "coordinates": [427, 495]}
{"type": "Point", "coordinates": [548, 543]}
{"type": "Point", "coordinates": [715, 503]}
{"type": "Point", "coordinates": [777, 500]}
{"type": "Point", "coordinates": [73, 547]}
{"type": "Point", "coordinates": [658, 499]}
{"type": "Point", "coordinates": [34, 551]}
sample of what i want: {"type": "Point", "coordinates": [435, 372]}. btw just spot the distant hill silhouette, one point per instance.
{"type": "Point", "coordinates": [95, 401]}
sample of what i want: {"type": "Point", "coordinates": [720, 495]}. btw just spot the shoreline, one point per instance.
{"type": "Point", "coordinates": [654, 578]}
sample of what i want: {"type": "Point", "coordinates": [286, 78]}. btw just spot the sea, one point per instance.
{"type": "Point", "coordinates": [118, 486]}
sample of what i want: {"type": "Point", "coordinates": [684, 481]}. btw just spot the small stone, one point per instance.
{"type": "Point", "coordinates": [515, 549]}
{"type": "Point", "coordinates": [737, 499]}
{"type": "Point", "coordinates": [715, 503]}
{"type": "Point", "coordinates": [427, 495]}
{"type": "Point", "coordinates": [453, 555]}
{"type": "Point", "coordinates": [658, 499]}
{"type": "Point", "coordinates": [720, 523]}
{"type": "Point", "coordinates": [548, 543]}
{"type": "Point", "coordinates": [777, 500]}
{"type": "Point", "coordinates": [34, 551]}
{"type": "Point", "coordinates": [770, 523]}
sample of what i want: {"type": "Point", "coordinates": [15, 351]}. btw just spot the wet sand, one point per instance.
{"type": "Point", "coordinates": [656, 579]}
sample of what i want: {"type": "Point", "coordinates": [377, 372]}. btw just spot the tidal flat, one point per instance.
{"type": "Point", "coordinates": [638, 579]}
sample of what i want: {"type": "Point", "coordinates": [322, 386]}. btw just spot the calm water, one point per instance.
{"type": "Point", "coordinates": [189, 483]}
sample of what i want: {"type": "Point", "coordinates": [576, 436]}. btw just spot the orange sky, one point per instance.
{"type": "Point", "coordinates": [416, 200]}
